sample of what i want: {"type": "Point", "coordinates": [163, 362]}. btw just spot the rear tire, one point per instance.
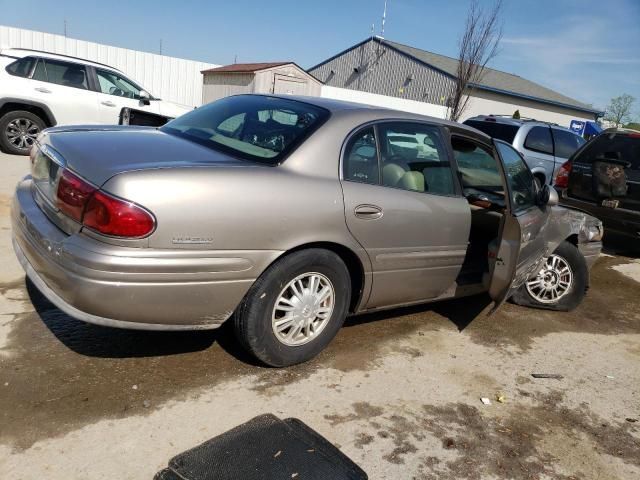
{"type": "Point", "coordinates": [19, 130]}
{"type": "Point", "coordinates": [295, 308]}
{"type": "Point", "coordinates": [565, 265]}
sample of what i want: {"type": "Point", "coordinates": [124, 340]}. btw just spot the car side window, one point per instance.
{"type": "Point", "coordinates": [519, 178]}
{"type": "Point", "coordinates": [478, 170]}
{"type": "Point", "coordinates": [113, 84]}
{"type": "Point", "coordinates": [360, 162]}
{"type": "Point", "coordinates": [61, 73]}
{"type": "Point", "coordinates": [414, 158]}
{"type": "Point", "coordinates": [539, 140]}
{"type": "Point", "coordinates": [566, 142]}
{"type": "Point", "coordinates": [21, 67]}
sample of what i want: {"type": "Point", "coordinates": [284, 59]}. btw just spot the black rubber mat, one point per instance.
{"type": "Point", "coordinates": [264, 448]}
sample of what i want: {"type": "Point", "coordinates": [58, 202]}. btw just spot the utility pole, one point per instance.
{"type": "Point", "coordinates": [160, 46]}
{"type": "Point", "coordinates": [384, 18]}
{"type": "Point", "coordinates": [65, 28]}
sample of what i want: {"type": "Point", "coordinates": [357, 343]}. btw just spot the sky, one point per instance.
{"type": "Point", "coordinates": [586, 49]}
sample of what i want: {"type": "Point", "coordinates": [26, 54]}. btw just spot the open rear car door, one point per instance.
{"type": "Point", "coordinates": [521, 244]}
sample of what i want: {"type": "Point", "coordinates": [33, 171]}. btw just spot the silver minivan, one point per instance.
{"type": "Point", "coordinates": [544, 146]}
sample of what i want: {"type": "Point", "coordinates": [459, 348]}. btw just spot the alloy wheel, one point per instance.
{"type": "Point", "coordinates": [303, 309]}
{"type": "Point", "coordinates": [552, 282]}
{"type": "Point", "coordinates": [22, 133]}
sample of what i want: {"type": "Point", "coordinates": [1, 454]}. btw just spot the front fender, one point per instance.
{"type": "Point", "coordinates": [567, 222]}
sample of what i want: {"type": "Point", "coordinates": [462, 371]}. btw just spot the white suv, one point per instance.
{"type": "Point", "coordinates": [40, 90]}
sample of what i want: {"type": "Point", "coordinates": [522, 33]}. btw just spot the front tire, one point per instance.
{"type": "Point", "coordinates": [295, 308]}
{"type": "Point", "coordinates": [18, 131]}
{"type": "Point", "coordinates": [560, 285]}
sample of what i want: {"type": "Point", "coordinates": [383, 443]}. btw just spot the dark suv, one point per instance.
{"type": "Point", "coordinates": [544, 146]}
{"type": "Point", "coordinates": [603, 178]}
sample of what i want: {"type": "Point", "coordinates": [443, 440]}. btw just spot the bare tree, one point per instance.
{"type": "Point", "coordinates": [478, 45]}
{"type": "Point", "coordinates": [619, 110]}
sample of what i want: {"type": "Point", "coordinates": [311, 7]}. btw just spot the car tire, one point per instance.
{"type": "Point", "coordinates": [13, 122]}
{"type": "Point", "coordinates": [567, 263]}
{"type": "Point", "coordinates": [297, 283]}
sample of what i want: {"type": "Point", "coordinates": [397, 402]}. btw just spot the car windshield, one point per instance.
{"type": "Point", "coordinates": [253, 127]}
{"type": "Point", "coordinates": [501, 131]}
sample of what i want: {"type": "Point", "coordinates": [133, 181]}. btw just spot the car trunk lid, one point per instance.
{"type": "Point", "coordinates": [96, 154]}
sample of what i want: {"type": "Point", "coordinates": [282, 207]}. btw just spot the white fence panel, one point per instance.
{"type": "Point", "coordinates": [401, 104]}
{"type": "Point", "coordinates": [170, 78]}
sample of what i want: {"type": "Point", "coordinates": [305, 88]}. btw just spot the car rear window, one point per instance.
{"type": "Point", "coordinates": [501, 131]}
{"type": "Point", "coordinates": [623, 147]}
{"type": "Point", "coordinates": [253, 127]}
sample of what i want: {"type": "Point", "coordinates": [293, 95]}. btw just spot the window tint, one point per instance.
{"type": "Point", "coordinates": [501, 131]}
{"type": "Point", "coordinates": [113, 84]}
{"type": "Point", "coordinates": [414, 158]}
{"type": "Point", "coordinates": [539, 140]}
{"type": "Point", "coordinates": [22, 67]}
{"type": "Point", "coordinates": [566, 142]}
{"type": "Point", "coordinates": [62, 73]}
{"type": "Point", "coordinates": [625, 148]}
{"type": "Point", "coordinates": [479, 170]}
{"type": "Point", "coordinates": [361, 158]}
{"type": "Point", "coordinates": [519, 178]}
{"type": "Point", "coordinates": [256, 128]}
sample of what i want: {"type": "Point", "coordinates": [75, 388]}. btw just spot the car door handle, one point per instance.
{"type": "Point", "coordinates": [108, 104]}
{"type": "Point", "coordinates": [42, 90]}
{"type": "Point", "coordinates": [368, 212]}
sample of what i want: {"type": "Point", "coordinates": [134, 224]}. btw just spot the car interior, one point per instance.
{"type": "Point", "coordinates": [483, 188]}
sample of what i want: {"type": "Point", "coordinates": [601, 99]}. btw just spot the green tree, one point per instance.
{"type": "Point", "coordinates": [619, 110]}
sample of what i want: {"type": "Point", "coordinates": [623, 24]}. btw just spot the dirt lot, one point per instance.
{"type": "Point", "coordinates": [398, 392]}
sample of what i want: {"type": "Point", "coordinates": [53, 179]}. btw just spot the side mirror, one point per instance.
{"type": "Point", "coordinates": [547, 195]}
{"type": "Point", "coordinates": [145, 98]}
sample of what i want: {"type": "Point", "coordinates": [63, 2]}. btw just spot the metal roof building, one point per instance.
{"type": "Point", "coordinates": [383, 67]}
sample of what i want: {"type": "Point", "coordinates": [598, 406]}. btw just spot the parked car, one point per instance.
{"type": "Point", "coordinates": [603, 178]}
{"type": "Point", "coordinates": [545, 146]}
{"type": "Point", "coordinates": [40, 89]}
{"type": "Point", "coordinates": [285, 214]}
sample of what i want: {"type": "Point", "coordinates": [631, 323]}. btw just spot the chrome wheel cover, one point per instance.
{"type": "Point", "coordinates": [553, 282]}
{"type": "Point", "coordinates": [22, 133]}
{"type": "Point", "coordinates": [303, 309]}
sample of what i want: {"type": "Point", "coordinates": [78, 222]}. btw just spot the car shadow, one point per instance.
{"type": "Point", "coordinates": [616, 244]}
{"type": "Point", "coordinates": [107, 342]}
{"type": "Point", "coordinates": [460, 312]}
{"type": "Point", "coordinates": [98, 341]}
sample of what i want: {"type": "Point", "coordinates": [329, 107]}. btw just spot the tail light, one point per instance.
{"type": "Point", "coordinates": [119, 218]}
{"type": "Point", "coordinates": [72, 195]}
{"type": "Point", "coordinates": [562, 178]}
{"type": "Point", "coordinates": [100, 211]}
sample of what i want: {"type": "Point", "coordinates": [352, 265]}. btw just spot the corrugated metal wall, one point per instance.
{"type": "Point", "coordinates": [170, 78]}
{"type": "Point", "coordinates": [384, 71]}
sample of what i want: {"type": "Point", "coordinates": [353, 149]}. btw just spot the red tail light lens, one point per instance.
{"type": "Point", "coordinates": [72, 194]}
{"type": "Point", "coordinates": [113, 216]}
{"type": "Point", "coordinates": [562, 179]}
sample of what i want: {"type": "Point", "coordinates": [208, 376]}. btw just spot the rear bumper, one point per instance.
{"type": "Point", "coordinates": [619, 220]}
{"type": "Point", "coordinates": [125, 287]}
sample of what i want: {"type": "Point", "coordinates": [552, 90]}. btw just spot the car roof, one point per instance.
{"type": "Point", "coordinates": [517, 122]}
{"type": "Point", "coordinates": [25, 52]}
{"type": "Point", "coordinates": [375, 112]}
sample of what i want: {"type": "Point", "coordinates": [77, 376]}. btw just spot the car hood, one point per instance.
{"type": "Point", "coordinates": [97, 153]}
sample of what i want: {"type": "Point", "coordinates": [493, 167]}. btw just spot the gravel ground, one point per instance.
{"type": "Point", "coordinates": [399, 392]}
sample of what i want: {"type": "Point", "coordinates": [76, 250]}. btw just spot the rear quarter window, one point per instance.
{"type": "Point", "coordinates": [566, 142]}
{"type": "Point", "coordinates": [22, 67]}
